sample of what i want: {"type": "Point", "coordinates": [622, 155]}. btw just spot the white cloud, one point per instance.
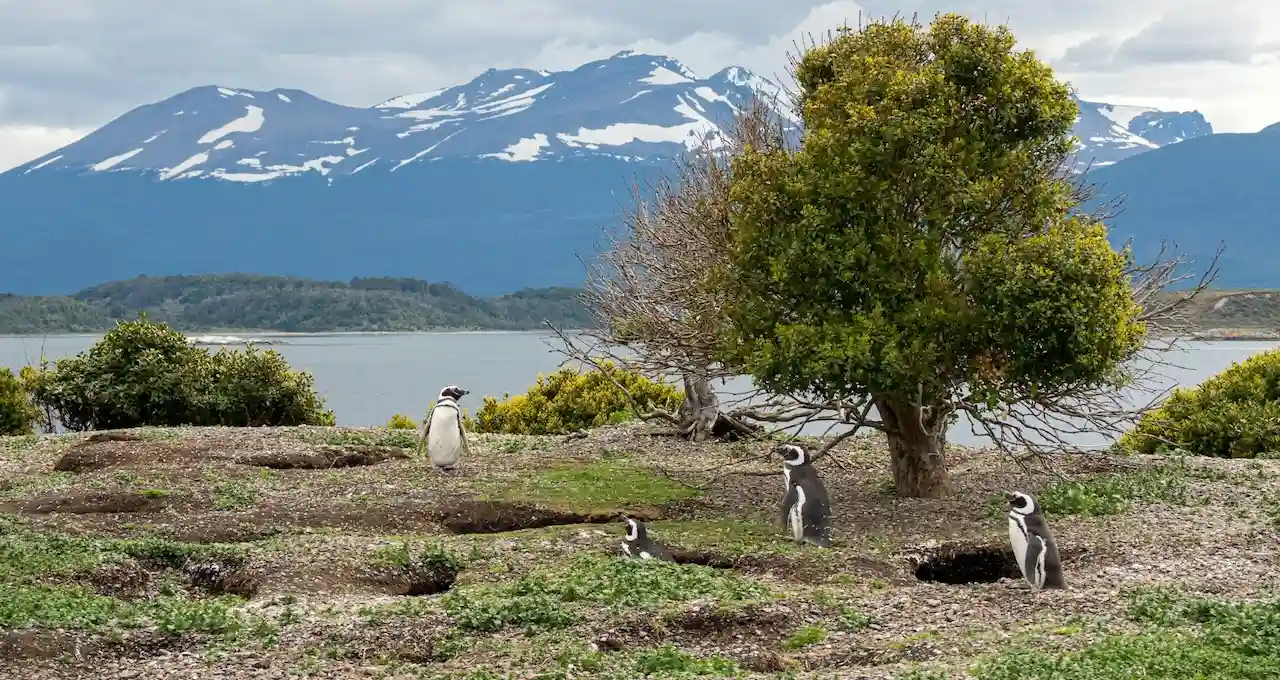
{"type": "Point", "coordinates": [21, 143]}
{"type": "Point", "coordinates": [74, 65]}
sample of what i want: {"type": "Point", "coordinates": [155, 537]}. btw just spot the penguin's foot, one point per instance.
{"type": "Point", "coordinates": [819, 541]}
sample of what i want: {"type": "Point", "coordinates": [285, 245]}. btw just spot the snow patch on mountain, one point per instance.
{"type": "Point", "coordinates": [251, 122]}
{"type": "Point", "coordinates": [639, 107]}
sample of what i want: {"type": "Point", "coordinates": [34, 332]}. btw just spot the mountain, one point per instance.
{"type": "Point", "coordinates": [630, 107]}
{"type": "Point", "coordinates": [1110, 133]}
{"type": "Point", "coordinates": [1218, 189]}
{"type": "Point", "coordinates": [496, 184]}
{"type": "Point", "coordinates": [229, 302]}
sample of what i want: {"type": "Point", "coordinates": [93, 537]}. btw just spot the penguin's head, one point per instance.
{"type": "Point", "coordinates": [633, 529]}
{"type": "Point", "coordinates": [453, 392]}
{"type": "Point", "coordinates": [792, 455]}
{"type": "Point", "coordinates": [1022, 503]}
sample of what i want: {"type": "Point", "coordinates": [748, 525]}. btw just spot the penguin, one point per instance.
{"type": "Point", "coordinates": [442, 434]}
{"type": "Point", "coordinates": [1033, 546]}
{"type": "Point", "coordinates": [806, 508]}
{"type": "Point", "coordinates": [639, 546]}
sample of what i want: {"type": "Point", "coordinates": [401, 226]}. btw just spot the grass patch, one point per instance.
{"type": "Point", "coordinates": [805, 637]}
{"type": "Point", "coordinates": [1114, 494]}
{"type": "Point", "coordinates": [22, 486]}
{"type": "Point", "coordinates": [17, 444]}
{"type": "Point", "coordinates": [548, 599]}
{"type": "Point", "coordinates": [746, 536]}
{"type": "Point", "coordinates": [231, 493]}
{"type": "Point", "coordinates": [604, 486]}
{"type": "Point", "coordinates": [42, 586]}
{"type": "Point", "coordinates": [404, 439]}
{"type": "Point", "coordinates": [1186, 638]}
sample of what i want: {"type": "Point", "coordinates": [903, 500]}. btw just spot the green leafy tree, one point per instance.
{"type": "Point", "coordinates": [17, 415]}
{"type": "Point", "coordinates": [921, 252]}
{"type": "Point", "coordinates": [144, 373]}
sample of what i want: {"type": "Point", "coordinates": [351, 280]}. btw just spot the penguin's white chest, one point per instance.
{"type": "Point", "coordinates": [1018, 541]}
{"type": "Point", "coordinates": [796, 516]}
{"type": "Point", "coordinates": [443, 441]}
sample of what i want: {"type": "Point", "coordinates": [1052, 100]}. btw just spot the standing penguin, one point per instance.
{"type": "Point", "coordinates": [639, 546]}
{"type": "Point", "coordinates": [442, 434]}
{"type": "Point", "coordinates": [1033, 545]}
{"type": "Point", "coordinates": [806, 509]}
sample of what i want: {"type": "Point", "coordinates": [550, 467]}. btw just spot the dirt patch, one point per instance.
{"type": "Point", "coordinates": [126, 579]}
{"type": "Point", "coordinates": [88, 458]}
{"type": "Point", "coordinates": [326, 459]}
{"type": "Point", "coordinates": [492, 517]}
{"type": "Point", "coordinates": [38, 644]}
{"type": "Point", "coordinates": [217, 529]}
{"type": "Point", "coordinates": [94, 502]}
{"type": "Point", "coordinates": [960, 563]}
{"type": "Point", "coordinates": [412, 581]}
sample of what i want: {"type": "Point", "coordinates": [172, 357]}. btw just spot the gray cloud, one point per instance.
{"type": "Point", "coordinates": [1222, 36]}
{"type": "Point", "coordinates": [79, 63]}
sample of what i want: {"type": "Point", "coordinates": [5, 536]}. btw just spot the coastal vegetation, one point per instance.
{"type": "Point", "coordinates": [228, 302]}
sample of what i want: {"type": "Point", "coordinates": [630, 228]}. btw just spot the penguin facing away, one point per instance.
{"type": "Point", "coordinates": [639, 546]}
{"type": "Point", "coordinates": [806, 508]}
{"type": "Point", "coordinates": [442, 434]}
{"type": "Point", "coordinates": [1033, 546]}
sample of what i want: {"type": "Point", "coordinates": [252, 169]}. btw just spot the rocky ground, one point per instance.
{"type": "Point", "coordinates": [335, 553]}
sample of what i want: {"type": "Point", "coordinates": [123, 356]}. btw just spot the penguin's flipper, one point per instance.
{"type": "Point", "coordinates": [463, 449]}
{"type": "Point", "coordinates": [426, 429]}
{"type": "Point", "coordinates": [1035, 562]}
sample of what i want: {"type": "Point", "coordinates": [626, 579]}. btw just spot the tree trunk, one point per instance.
{"type": "Point", "coordinates": [915, 450]}
{"type": "Point", "coordinates": [701, 408]}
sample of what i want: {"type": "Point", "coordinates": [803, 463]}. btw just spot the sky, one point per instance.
{"type": "Point", "coordinates": [70, 66]}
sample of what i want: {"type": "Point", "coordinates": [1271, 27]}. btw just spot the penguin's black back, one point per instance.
{"type": "Point", "coordinates": [1036, 526]}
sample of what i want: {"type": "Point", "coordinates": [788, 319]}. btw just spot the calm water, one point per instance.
{"type": "Point", "coordinates": [367, 377]}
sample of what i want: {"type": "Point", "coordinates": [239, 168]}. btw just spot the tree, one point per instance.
{"type": "Point", "coordinates": [922, 252]}
{"type": "Point", "coordinates": [657, 293]}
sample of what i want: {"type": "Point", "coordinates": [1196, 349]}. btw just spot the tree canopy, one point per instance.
{"type": "Point", "coordinates": [921, 251]}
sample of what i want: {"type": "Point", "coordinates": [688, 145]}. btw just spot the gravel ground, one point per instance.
{"type": "Point", "coordinates": [311, 504]}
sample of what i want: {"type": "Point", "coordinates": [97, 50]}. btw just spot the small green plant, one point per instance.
{"type": "Point", "coordinates": [550, 598]}
{"type": "Point", "coordinates": [604, 485]}
{"type": "Point", "coordinates": [232, 494]}
{"type": "Point", "coordinates": [567, 400]}
{"type": "Point", "coordinates": [805, 637]}
{"type": "Point", "coordinates": [1184, 637]}
{"type": "Point", "coordinates": [1235, 414]}
{"type": "Point", "coordinates": [17, 415]}
{"type": "Point", "coordinates": [400, 421]}
{"type": "Point", "coordinates": [1113, 494]}
{"type": "Point", "coordinates": [670, 661]}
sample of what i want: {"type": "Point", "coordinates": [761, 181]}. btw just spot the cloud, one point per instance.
{"type": "Point", "coordinates": [76, 64]}
{"type": "Point", "coordinates": [21, 143]}
{"type": "Point", "coordinates": [1228, 37]}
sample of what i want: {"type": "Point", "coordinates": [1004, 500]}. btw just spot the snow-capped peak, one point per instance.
{"type": "Point", "coordinates": [633, 106]}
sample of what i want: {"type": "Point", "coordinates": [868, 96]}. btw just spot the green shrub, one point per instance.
{"type": "Point", "coordinates": [1235, 414]}
{"type": "Point", "coordinates": [567, 400]}
{"type": "Point", "coordinates": [146, 374]}
{"type": "Point", "coordinates": [401, 422]}
{"type": "Point", "coordinates": [17, 415]}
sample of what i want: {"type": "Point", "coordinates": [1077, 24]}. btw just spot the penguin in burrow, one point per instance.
{"type": "Point", "coordinates": [806, 508]}
{"type": "Point", "coordinates": [638, 545]}
{"type": "Point", "coordinates": [442, 435]}
{"type": "Point", "coordinates": [1033, 546]}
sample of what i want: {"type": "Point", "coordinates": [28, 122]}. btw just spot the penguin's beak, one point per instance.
{"type": "Point", "coordinates": [1009, 495]}
{"type": "Point", "coordinates": [465, 392]}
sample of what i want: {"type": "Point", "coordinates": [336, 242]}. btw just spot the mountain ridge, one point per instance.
{"type": "Point", "coordinates": [631, 105]}
{"type": "Point", "coordinates": [499, 183]}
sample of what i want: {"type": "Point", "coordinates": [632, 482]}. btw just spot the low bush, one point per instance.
{"type": "Point", "coordinates": [17, 415]}
{"type": "Point", "coordinates": [1235, 414]}
{"type": "Point", "coordinates": [400, 421]}
{"type": "Point", "coordinates": [147, 374]}
{"type": "Point", "coordinates": [568, 400]}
